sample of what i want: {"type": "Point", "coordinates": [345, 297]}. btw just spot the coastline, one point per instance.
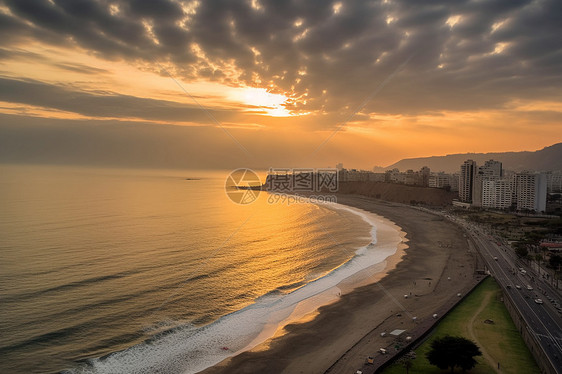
{"type": "Point", "coordinates": [338, 336]}
{"type": "Point", "coordinates": [388, 240]}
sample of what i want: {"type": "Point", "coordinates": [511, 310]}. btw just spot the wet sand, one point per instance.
{"type": "Point", "coordinates": [341, 335]}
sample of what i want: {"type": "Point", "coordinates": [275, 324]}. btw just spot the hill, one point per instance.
{"type": "Point", "coordinates": [548, 158]}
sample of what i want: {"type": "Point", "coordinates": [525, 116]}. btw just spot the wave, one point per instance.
{"type": "Point", "coordinates": [190, 349]}
{"type": "Point", "coordinates": [66, 287]}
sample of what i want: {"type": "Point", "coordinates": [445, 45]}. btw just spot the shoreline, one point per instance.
{"type": "Point", "coordinates": [339, 336]}
{"type": "Point", "coordinates": [384, 233]}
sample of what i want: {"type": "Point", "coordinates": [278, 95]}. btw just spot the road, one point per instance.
{"type": "Point", "coordinates": [544, 321]}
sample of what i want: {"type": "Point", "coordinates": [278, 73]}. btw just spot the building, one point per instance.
{"type": "Point", "coordinates": [454, 180]}
{"type": "Point", "coordinates": [377, 177]}
{"type": "Point", "coordinates": [466, 181]}
{"type": "Point", "coordinates": [497, 194]}
{"type": "Point", "coordinates": [491, 170]}
{"type": "Point", "coordinates": [424, 173]}
{"type": "Point", "coordinates": [554, 182]}
{"type": "Point", "coordinates": [530, 190]}
{"type": "Point", "coordinates": [416, 178]}
{"type": "Point", "coordinates": [411, 177]}
{"type": "Point", "coordinates": [354, 175]}
{"type": "Point", "coordinates": [442, 180]}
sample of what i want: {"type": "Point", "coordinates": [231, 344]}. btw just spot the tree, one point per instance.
{"type": "Point", "coordinates": [555, 261]}
{"type": "Point", "coordinates": [521, 250]}
{"type": "Point", "coordinates": [407, 360]}
{"type": "Point", "coordinates": [453, 351]}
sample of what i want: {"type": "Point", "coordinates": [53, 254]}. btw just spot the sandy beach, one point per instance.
{"type": "Point", "coordinates": [342, 334]}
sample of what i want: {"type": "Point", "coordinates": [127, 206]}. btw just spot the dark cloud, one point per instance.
{"type": "Point", "coordinates": [27, 56]}
{"type": "Point", "coordinates": [80, 68]}
{"type": "Point", "coordinates": [326, 55]}
{"type": "Point", "coordinates": [6, 54]}
{"type": "Point", "coordinates": [156, 9]}
{"type": "Point", "coordinates": [104, 104]}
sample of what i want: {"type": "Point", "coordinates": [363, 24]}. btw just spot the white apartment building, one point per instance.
{"type": "Point", "coordinates": [497, 194]}
{"type": "Point", "coordinates": [491, 170]}
{"type": "Point", "coordinates": [530, 189]}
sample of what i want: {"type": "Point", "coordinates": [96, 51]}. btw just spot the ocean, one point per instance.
{"type": "Point", "coordinates": [143, 271]}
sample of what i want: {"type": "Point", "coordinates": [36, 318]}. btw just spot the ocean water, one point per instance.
{"type": "Point", "coordinates": [142, 271]}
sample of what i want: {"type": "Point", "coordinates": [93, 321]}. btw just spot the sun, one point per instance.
{"type": "Point", "coordinates": [272, 104]}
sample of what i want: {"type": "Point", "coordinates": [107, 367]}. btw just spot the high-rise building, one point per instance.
{"type": "Point", "coordinates": [477, 190]}
{"type": "Point", "coordinates": [491, 170]}
{"type": "Point", "coordinates": [466, 181]}
{"type": "Point", "coordinates": [554, 182]}
{"type": "Point", "coordinates": [497, 194]}
{"type": "Point", "coordinates": [425, 172]}
{"type": "Point", "coordinates": [530, 189]}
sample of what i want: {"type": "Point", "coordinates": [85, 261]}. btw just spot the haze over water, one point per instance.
{"type": "Point", "coordinates": [98, 260]}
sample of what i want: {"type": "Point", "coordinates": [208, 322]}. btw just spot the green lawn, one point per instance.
{"type": "Point", "coordinates": [500, 340]}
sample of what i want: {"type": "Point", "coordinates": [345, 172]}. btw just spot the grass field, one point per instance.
{"type": "Point", "coordinates": [499, 342]}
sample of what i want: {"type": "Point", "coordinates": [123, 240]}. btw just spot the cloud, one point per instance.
{"type": "Point", "coordinates": [137, 144]}
{"type": "Point", "coordinates": [105, 104]}
{"type": "Point", "coordinates": [466, 54]}
{"type": "Point", "coordinates": [80, 68]}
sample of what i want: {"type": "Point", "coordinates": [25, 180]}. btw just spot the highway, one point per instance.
{"type": "Point", "coordinates": [544, 321]}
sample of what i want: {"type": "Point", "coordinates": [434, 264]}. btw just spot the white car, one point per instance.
{"type": "Point", "coordinates": [518, 286]}
{"type": "Point", "coordinates": [538, 301]}
{"type": "Point", "coordinates": [529, 288]}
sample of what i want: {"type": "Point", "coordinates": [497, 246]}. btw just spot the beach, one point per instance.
{"type": "Point", "coordinates": [436, 265]}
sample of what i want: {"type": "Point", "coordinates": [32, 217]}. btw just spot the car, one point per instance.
{"type": "Point", "coordinates": [508, 286]}
{"type": "Point", "coordinates": [518, 286]}
{"type": "Point", "coordinates": [495, 258]}
{"type": "Point", "coordinates": [538, 301]}
{"type": "Point", "coordinates": [529, 288]}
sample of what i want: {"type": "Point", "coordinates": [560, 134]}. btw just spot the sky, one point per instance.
{"type": "Point", "coordinates": [270, 83]}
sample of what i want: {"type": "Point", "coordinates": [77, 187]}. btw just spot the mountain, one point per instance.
{"type": "Point", "coordinates": [548, 158]}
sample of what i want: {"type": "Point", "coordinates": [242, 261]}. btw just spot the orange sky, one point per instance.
{"type": "Point", "coordinates": [438, 80]}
